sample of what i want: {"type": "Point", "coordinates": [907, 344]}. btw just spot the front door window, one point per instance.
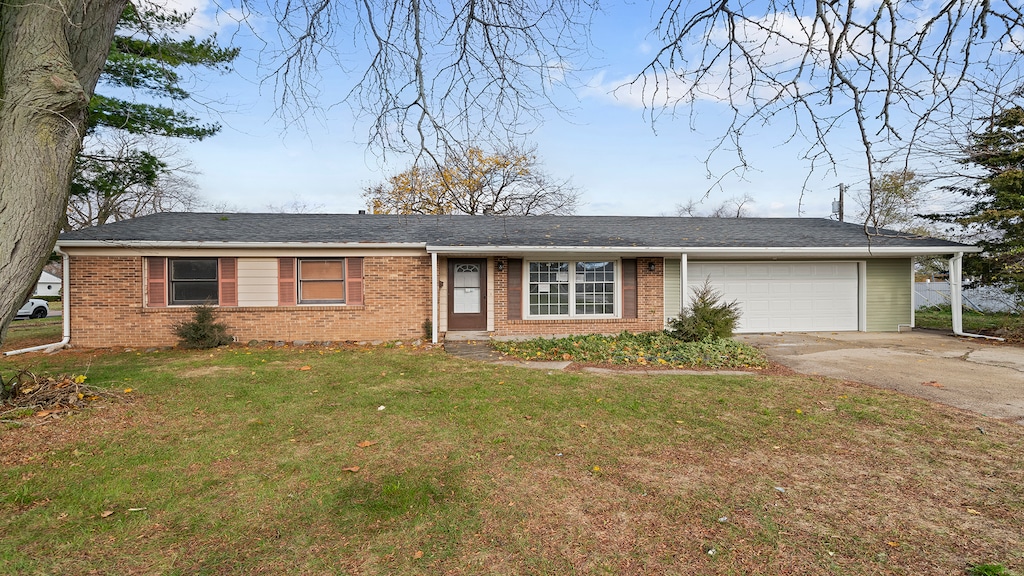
{"type": "Point", "coordinates": [467, 294]}
{"type": "Point", "coordinates": [467, 289]}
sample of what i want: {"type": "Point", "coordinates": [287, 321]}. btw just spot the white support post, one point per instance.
{"type": "Point", "coordinates": [956, 301]}
{"type": "Point", "coordinates": [433, 297]}
{"type": "Point", "coordinates": [683, 279]}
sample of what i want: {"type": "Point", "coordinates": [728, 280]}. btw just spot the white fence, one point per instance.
{"type": "Point", "coordinates": [987, 298]}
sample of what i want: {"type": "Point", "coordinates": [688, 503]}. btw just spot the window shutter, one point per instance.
{"type": "Point", "coordinates": [515, 288]}
{"type": "Point", "coordinates": [354, 281]}
{"type": "Point", "coordinates": [286, 281]}
{"type": "Point", "coordinates": [629, 303]}
{"type": "Point", "coordinates": [228, 275]}
{"type": "Point", "coordinates": [156, 281]}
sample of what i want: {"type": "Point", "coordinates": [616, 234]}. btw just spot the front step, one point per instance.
{"type": "Point", "coordinates": [467, 335]}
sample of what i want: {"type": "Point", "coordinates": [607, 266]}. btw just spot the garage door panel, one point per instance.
{"type": "Point", "coordinates": [786, 296]}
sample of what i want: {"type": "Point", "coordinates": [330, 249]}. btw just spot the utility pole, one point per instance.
{"type": "Point", "coordinates": [837, 206]}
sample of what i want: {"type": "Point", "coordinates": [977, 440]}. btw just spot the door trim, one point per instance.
{"type": "Point", "coordinates": [476, 321]}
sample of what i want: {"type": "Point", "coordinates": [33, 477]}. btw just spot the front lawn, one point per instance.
{"type": "Point", "coordinates": [398, 461]}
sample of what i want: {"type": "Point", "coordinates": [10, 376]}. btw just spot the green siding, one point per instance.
{"type": "Point", "coordinates": [673, 294]}
{"type": "Point", "coordinates": [889, 292]}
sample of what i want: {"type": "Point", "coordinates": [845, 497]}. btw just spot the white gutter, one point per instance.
{"type": "Point", "coordinates": [956, 302]}
{"type": "Point", "coordinates": [222, 245]}
{"type": "Point", "coordinates": [65, 314]}
{"type": "Point", "coordinates": [711, 252]}
{"type": "Point", "coordinates": [433, 298]}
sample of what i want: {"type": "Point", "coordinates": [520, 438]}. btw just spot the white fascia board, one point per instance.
{"type": "Point", "coordinates": [137, 244]}
{"type": "Point", "coordinates": [500, 250]}
{"type": "Point", "coordinates": [825, 252]}
{"type": "Point", "coordinates": [715, 252]}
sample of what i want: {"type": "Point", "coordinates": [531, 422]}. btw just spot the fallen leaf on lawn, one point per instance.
{"type": "Point", "coordinates": [304, 368]}
{"type": "Point", "coordinates": [893, 544]}
{"type": "Point", "coordinates": [583, 425]}
{"type": "Point", "coordinates": [45, 413]}
{"type": "Point", "coordinates": [106, 513]}
{"type": "Point", "coordinates": [351, 469]}
{"type": "Point", "coordinates": [973, 511]}
{"type": "Point", "coordinates": [566, 356]}
{"type": "Point", "coordinates": [366, 443]}
{"type": "Point", "coordinates": [418, 554]}
{"type": "Point", "coordinates": [932, 383]}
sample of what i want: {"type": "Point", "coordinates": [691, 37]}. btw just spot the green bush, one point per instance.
{"type": "Point", "coordinates": [707, 317]}
{"type": "Point", "coordinates": [202, 331]}
{"type": "Point", "coordinates": [988, 570]}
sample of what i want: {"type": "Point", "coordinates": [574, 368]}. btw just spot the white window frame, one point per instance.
{"type": "Point", "coordinates": [572, 315]}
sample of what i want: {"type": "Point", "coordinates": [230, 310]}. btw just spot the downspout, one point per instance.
{"type": "Point", "coordinates": [433, 297]}
{"type": "Point", "coordinates": [65, 313]}
{"type": "Point", "coordinates": [956, 302]}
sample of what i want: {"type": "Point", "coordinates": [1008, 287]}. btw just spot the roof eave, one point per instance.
{"type": "Point", "coordinates": [717, 252]}
{"type": "Point", "coordinates": [136, 244]}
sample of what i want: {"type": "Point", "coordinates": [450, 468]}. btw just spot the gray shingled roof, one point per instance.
{"type": "Point", "coordinates": [483, 231]}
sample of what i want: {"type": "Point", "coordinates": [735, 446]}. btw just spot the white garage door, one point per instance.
{"type": "Point", "coordinates": [785, 296]}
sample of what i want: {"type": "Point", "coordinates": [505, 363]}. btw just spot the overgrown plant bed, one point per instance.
{"type": "Point", "coordinates": [644, 349]}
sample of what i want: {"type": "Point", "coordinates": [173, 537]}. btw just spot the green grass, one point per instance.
{"type": "Point", "coordinates": [233, 461]}
{"type": "Point", "coordinates": [989, 570]}
{"type": "Point", "coordinates": [645, 349]}
{"type": "Point", "coordinates": [29, 332]}
{"type": "Point", "coordinates": [941, 318]}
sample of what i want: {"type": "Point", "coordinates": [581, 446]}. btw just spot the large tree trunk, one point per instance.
{"type": "Point", "coordinates": [51, 56]}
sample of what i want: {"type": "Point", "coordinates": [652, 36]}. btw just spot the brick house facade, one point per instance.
{"type": "Point", "coordinates": [319, 277]}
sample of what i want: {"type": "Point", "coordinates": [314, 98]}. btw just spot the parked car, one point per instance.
{"type": "Point", "coordinates": [34, 308]}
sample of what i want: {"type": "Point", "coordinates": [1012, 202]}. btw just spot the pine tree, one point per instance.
{"type": "Point", "coordinates": [995, 212]}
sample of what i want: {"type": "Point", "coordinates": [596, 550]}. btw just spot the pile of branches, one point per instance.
{"type": "Point", "coordinates": [46, 395]}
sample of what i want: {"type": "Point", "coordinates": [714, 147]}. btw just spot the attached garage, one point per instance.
{"type": "Point", "coordinates": [786, 296]}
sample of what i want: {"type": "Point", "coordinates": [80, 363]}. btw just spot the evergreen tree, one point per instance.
{"type": "Point", "coordinates": [119, 173]}
{"type": "Point", "coordinates": [995, 210]}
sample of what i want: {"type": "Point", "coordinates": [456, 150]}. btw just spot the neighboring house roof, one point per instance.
{"type": "Point", "coordinates": [47, 278]}
{"type": "Point", "coordinates": [466, 234]}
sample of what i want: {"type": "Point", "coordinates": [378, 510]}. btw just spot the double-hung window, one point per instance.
{"type": "Point", "coordinates": [321, 281]}
{"type": "Point", "coordinates": [572, 288]}
{"type": "Point", "coordinates": [193, 281]}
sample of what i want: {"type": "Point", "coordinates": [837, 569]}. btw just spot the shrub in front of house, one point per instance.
{"type": "Point", "coordinates": [706, 316]}
{"type": "Point", "coordinates": [202, 330]}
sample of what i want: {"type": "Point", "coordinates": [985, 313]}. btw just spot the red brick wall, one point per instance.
{"type": "Point", "coordinates": [650, 305]}
{"type": "Point", "coordinates": [106, 305]}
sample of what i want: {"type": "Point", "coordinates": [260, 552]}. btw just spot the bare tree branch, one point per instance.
{"type": "Point", "coordinates": [895, 71]}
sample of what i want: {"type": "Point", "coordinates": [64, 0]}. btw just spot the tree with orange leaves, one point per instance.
{"type": "Point", "coordinates": [508, 182]}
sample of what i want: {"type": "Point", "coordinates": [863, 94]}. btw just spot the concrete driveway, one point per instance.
{"type": "Point", "coordinates": [978, 375]}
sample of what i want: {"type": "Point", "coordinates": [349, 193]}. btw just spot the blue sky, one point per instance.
{"type": "Point", "coordinates": [605, 144]}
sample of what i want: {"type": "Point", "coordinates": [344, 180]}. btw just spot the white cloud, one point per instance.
{"type": "Point", "coordinates": [208, 17]}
